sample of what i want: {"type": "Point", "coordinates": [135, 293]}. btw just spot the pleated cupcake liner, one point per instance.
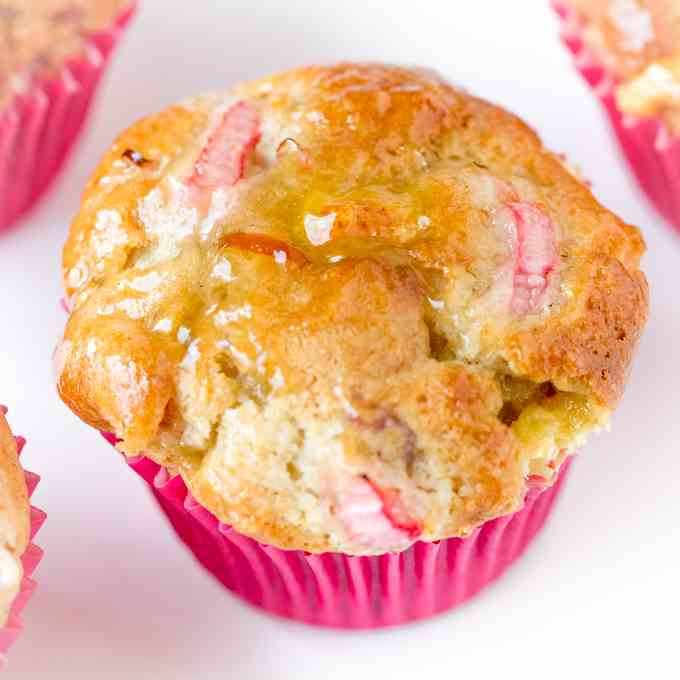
{"type": "Point", "coordinates": [29, 560]}
{"type": "Point", "coordinates": [652, 152]}
{"type": "Point", "coordinates": [343, 591]}
{"type": "Point", "coordinates": [40, 126]}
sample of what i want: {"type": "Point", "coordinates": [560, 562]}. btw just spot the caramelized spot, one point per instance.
{"type": "Point", "coordinates": [135, 157]}
{"type": "Point", "coordinates": [293, 471]}
{"type": "Point", "coordinates": [289, 144]}
{"type": "Point", "coordinates": [518, 393]}
{"type": "Point", "coordinates": [264, 245]}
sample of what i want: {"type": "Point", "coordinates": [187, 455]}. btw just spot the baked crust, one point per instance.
{"type": "Point", "coordinates": [393, 281]}
{"type": "Point", "coordinates": [638, 41]}
{"type": "Point", "coordinates": [14, 518]}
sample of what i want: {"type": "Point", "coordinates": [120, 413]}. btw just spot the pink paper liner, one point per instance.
{"type": "Point", "coordinates": [653, 155]}
{"type": "Point", "coordinates": [342, 591]}
{"type": "Point", "coordinates": [29, 560]}
{"type": "Point", "coordinates": [40, 126]}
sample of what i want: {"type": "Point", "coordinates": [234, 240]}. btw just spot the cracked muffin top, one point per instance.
{"type": "Point", "coordinates": [639, 43]}
{"type": "Point", "coordinates": [352, 306]}
{"type": "Point", "coordinates": [38, 36]}
{"type": "Point", "coordinates": [14, 518]}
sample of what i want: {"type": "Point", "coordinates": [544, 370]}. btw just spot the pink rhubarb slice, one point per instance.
{"type": "Point", "coordinates": [222, 160]}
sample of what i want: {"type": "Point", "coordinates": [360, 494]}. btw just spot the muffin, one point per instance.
{"type": "Point", "coordinates": [354, 320]}
{"type": "Point", "coordinates": [18, 522]}
{"type": "Point", "coordinates": [628, 51]}
{"type": "Point", "coordinates": [52, 56]}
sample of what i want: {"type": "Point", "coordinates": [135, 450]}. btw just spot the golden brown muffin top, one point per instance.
{"type": "Point", "coordinates": [639, 43]}
{"type": "Point", "coordinates": [352, 306]}
{"type": "Point", "coordinates": [38, 36]}
{"type": "Point", "coordinates": [14, 518]}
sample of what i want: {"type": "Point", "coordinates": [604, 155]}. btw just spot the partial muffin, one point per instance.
{"type": "Point", "coordinates": [18, 524]}
{"type": "Point", "coordinates": [629, 52]}
{"type": "Point", "coordinates": [52, 56]}
{"type": "Point", "coordinates": [353, 307]}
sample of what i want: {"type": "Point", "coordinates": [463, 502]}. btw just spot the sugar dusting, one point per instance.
{"type": "Point", "coordinates": [143, 284]}
{"type": "Point", "coordinates": [77, 276]}
{"type": "Point", "coordinates": [222, 271]}
{"type": "Point", "coordinates": [241, 357]}
{"type": "Point", "coordinates": [318, 228]}
{"type": "Point", "coordinates": [163, 326]}
{"type": "Point", "coordinates": [134, 308]}
{"type": "Point", "coordinates": [316, 117]}
{"type": "Point", "coordinates": [191, 357]}
{"type": "Point", "coordinates": [261, 355]}
{"type": "Point", "coordinates": [129, 384]}
{"type": "Point", "coordinates": [633, 22]}
{"type": "Point", "coordinates": [220, 204]}
{"type": "Point", "coordinates": [349, 409]}
{"type": "Point", "coordinates": [168, 218]}
{"type": "Point", "coordinates": [107, 234]}
{"type": "Point", "coordinates": [222, 318]}
{"type": "Point", "coordinates": [277, 381]}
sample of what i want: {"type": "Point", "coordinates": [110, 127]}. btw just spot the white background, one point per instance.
{"type": "Point", "coordinates": [597, 594]}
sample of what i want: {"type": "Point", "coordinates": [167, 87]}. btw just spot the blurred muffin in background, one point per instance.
{"type": "Point", "coordinates": [52, 56]}
{"type": "Point", "coordinates": [19, 523]}
{"type": "Point", "coordinates": [628, 51]}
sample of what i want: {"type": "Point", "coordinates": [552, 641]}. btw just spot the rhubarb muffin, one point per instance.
{"type": "Point", "coordinates": [351, 307]}
{"type": "Point", "coordinates": [18, 524]}
{"type": "Point", "coordinates": [629, 53]}
{"type": "Point", "coordinates": [52, 55]}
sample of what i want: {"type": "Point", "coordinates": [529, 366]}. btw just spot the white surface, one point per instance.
{"type": "Point", "coordinates": [599, 591]}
